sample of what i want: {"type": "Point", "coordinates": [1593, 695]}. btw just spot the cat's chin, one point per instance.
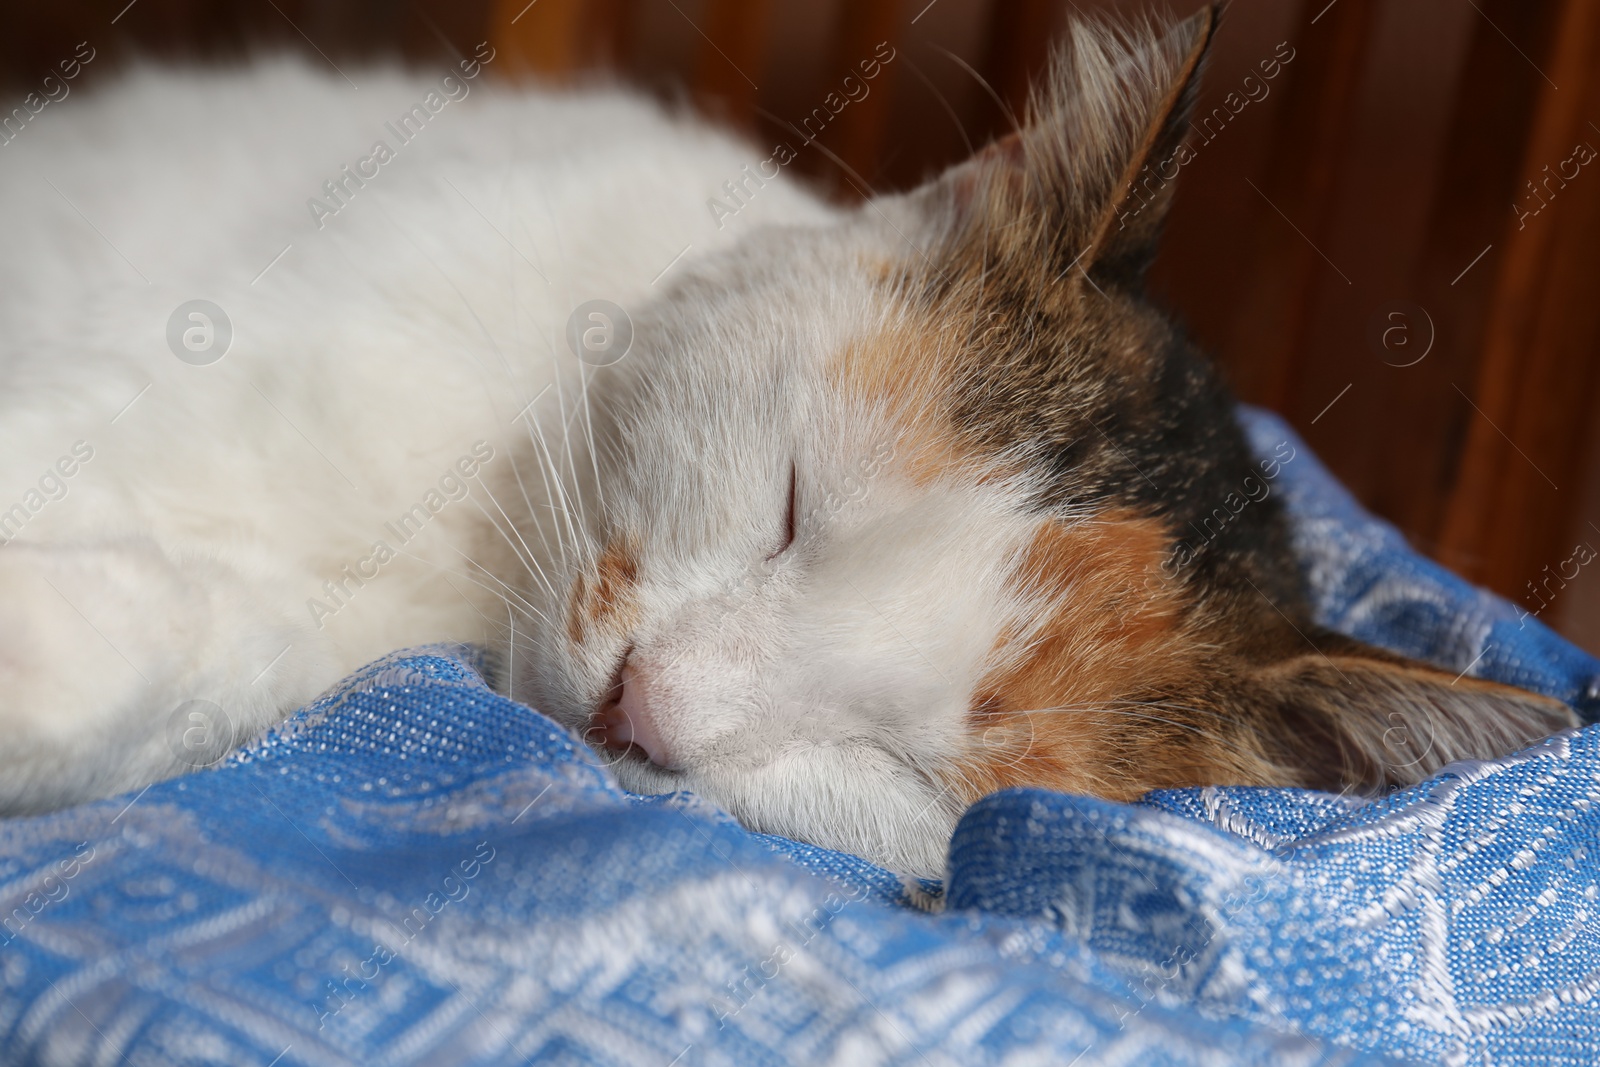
{"type": "Point", "coordinates": [635, 773]}
{"type": "Point", "coordinates": [913, 845]}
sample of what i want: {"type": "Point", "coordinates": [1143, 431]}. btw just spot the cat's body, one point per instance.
{"type": "Point", "coordinates": [380, 349]}
{"type": "Point", "coordinates": [882, 510]}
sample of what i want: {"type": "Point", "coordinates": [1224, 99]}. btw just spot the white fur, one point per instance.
{"type": "Point", "coordinates": [815, 697]}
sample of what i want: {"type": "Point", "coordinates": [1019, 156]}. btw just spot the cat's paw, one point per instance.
{"type": "Point", "coordinates": [121, 664]}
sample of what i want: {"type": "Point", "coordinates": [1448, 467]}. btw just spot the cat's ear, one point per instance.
{"type": "Point", "coordinates": [1087, 181]}
{"type": "Point", "coordinates": [1354, 715]}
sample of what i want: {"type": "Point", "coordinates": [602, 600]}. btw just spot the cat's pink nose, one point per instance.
{"type": "Point", "coordinates": [626, 718]}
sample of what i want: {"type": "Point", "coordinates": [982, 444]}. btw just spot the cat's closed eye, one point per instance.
{"type": "Point", "coordinates": [786, 532]}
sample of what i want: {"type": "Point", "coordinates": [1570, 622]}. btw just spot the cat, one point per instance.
{"type": "Point", "coordinates": [838, 516]}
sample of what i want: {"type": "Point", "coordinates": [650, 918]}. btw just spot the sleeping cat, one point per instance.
{"type": "Point", "coordinates": [839, 517]}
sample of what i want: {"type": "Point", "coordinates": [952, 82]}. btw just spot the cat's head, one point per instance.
{"type": "Point", "coordinates": [886, 511]}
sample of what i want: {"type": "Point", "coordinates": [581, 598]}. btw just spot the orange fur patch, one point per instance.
{"type": "Point", "coordinates": [906, 374]}
{"type": "Point", "coordinates": [1054, 710]}
{"type": "Point", "coordinates": [606, 599]}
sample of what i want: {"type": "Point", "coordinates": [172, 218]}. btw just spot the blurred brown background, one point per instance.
{"type": "Point", "coordinates": [1379, 196]}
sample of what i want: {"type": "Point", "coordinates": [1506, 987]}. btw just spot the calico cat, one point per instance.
{"type": "Point", "coordinates": [845, 517]}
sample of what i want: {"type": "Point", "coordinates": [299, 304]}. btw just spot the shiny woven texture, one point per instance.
{"type": "Point", "coordinates": [415, 870]}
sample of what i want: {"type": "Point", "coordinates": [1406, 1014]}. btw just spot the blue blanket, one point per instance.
{"type": "Point", "coordinates": [415, 870]}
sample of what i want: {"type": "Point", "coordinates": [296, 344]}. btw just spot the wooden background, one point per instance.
{"type": "Point", "coordinates": [1376, 179]}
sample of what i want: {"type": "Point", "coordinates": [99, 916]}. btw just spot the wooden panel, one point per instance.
{"type": "Point", "coordinates": [730, 57]}
{"type": "Point", "coordinates": [1577, 612]}
{"type": "Point", "coordinates": [1534, 392]}
{"type": "Point", "coordinates": [1390, 171]}
{"type": "Point", "coordinates": [541, 37]}
{"type": "Point", "coordinates": [1215, 208]}
{"type": "Point", "coordinates": [1296, 187]}
{"type": "Point", "coordinates": [799, 57]}
{"type": "Point", "coordinates": [1017, 53]}
{"type": "Point", "coordinates": [663, 45]}
{"type": "Point", "coordinates": [38, 35]}
{"type": "Point", "coordinates": [857, 135]}
{"type": "Point", "coordinates": [1423, 416]}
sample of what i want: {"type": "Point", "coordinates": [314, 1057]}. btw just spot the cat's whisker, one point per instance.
{"type": "Point", "coordinates": [588, 430]}
{"type": "Point", "coordinates": [572, 488]}
{"type": "Point", "coordinates": [554, 481]}
{"type": "Point", "coordinates": [540, 518]}
{"type": "Point", "coordinates": [537, 575]}
{"type": "Point", "coordinates": [524, 605]}
{"type": "Point", "coordinates": [940, 778]}
{"type": "Point", "coordinates": [445, 573]}
{"type": "Point", "coordinates": [1104, 709]}
{"type": "Point", "coordinates": [527, 557]}
{"type": "Point", "coordinates": [490, 625]}
{"type": "Point", "coordinates": [1097, 705]}
{"type": "Point", "coordinates": [944, 102]}
{"type": "Point", "coordinates": [522, 602]}
{"type": "Point", "coordinates": [576, 495]}
{"type": "Point", "coordinates": [1178, 707]}
{"type": "Point", "coordinates": [1005, 109]}
{"type": "Point", "coordinates": [578, 488]}
{"type": "Point", "coordinates": [527, 502]}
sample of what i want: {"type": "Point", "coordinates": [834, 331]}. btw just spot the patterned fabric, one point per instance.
{"type": "Point", "coordinates": [415, 870]}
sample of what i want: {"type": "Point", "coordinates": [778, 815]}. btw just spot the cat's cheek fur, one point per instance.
{"type": "Point", "coordinates": [1089, 632]}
